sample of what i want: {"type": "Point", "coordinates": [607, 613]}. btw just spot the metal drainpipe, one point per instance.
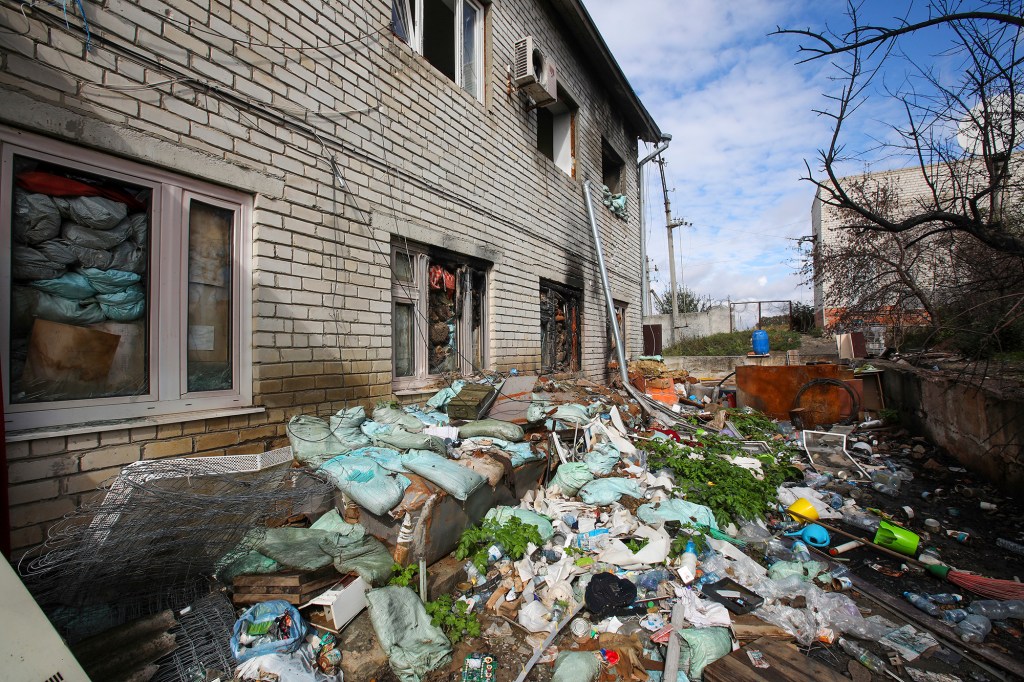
{"type": "Point", "coordinates": [645, 282]}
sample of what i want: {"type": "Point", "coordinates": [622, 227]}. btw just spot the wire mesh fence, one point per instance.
{"type": "Point", "coordinates": [760, 314]}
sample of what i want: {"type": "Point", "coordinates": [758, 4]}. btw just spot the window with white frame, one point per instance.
{"type": "Point", "coordinates": [128, 289]}
{"type": "Point", "coordinates": [448, 33]}
{"type": "Point", "coordinates": [439, 315]}
{"type": "Point", "coordinates": [556, 132]}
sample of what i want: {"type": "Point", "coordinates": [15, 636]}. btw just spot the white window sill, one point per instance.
{"type": "Point", "coordinates": [132, 423]}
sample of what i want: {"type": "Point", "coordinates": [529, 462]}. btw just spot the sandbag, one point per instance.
{"type": "Point", "coordinates": [519, 453]}
{"type": "Point", "coordinates": [73, 285]}
{"type": "Point", "coordinates": [400, 439]}
{"type": "Point", "coordinates": [570, 477]}
{"type": "Point", "coordinates": [604, 491]}
{"type": "Point", "coordinates": [59, 309]}
{"type": "Point", "coordinates": [138, 228]}
{"type": "Point", "coordinates": [312, 441]}
{"type": "Point", "coordinates": [345, 426]}
{"type": "Point", "coordinates": [250, 563]}
{"type": "Point", "coordinates": [34, 218]}
{"type": "Point", "coordinates": [367, 483]}
{"type": "Point", "coordinates": [570, 413]}
{"type": "Point", "coordinates": [413, 646]}
{"type": "Point", "coordinates": [58, 251]}
{"type": "Point", "coordinates": [128, 256]}
{"type": "Point", "coordinates": [494, 428]}
{"type": "Point", "coordinates": [110, 281]}
{"type": "Point", "coordinates": [95, 213]}
{"type": "Point", "coordinates": [261, 613]}
{"type": "Point", "coordinates": [386, 457]}
{"type": "Point", "coordinates": [700, 647]}
{"type": "Point", "coordinates": [445, 395]}
{"type": "Point", "coordinates": [602, 459]}
{"type": "Point", "coordinates": [99, 259]}
{"type": "Point", "coordinates": [297, 548]}
{"type": "Point", "coordinates": [354, 550]}
{"type": "Point", "coordinates": [386, 414]}
{"type": "Point", "coordinates": [675, 509]}
{"type": "Point", "coordinates": [28, 264]}
{"type": "Point", "coordinates": [576, 666]}
{"type": "Point", "coordinates": [94, 239]}
{"type": "Point", "coordinates": [542, 523]}
{"type": "Point", "coordinates": [124, 312]}
{"type": "Point", "coordinates": [455, 479]}
{"type": "Point", "coordinates": [132, 294]}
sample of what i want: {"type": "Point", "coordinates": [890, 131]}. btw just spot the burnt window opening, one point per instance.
{"type": "Point", "coordinates": [611, 168]}
{"type": "Point", "coordinates": [556, 132]}
{"type": "Point", "coordinates": [438, 314]}
{"type": "Point", "coordinates": [560, 328]}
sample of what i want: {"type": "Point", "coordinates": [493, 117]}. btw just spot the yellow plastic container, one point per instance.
{"type": "Point", "coordinates": [803, 507]}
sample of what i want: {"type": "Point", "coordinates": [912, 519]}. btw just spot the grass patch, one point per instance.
{"type": "Point", "coordinates": [735, 343]}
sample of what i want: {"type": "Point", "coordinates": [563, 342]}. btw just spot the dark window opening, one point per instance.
{"type": "Point", "coordinates": [439, 35]}
{"type": "Point", "coordinates": [611, 168]}
{"type": "Point", "coordinates": [545, 141]}
{"type": "Point", "coordinates": [556, 132]}
{"type": "Point", "coordinates": [560, 328]}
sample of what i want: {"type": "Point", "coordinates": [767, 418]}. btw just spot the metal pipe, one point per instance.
{"type": "Point", "coordinates": [620, 351]}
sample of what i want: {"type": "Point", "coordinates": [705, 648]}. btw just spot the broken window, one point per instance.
{"type": "Point", "coordinates": [556, 132]}
{"type": "Point", "coordinates": [123, 287]}
{"type": "Point", "coordinates": [448, 33]}
{"type": "Point", "coordinates": [560, 328]}
{"type": "Point", "coordinates": [611, 167]}
{"type": "Point", "coordinates": [439, 314]}
{"type": "Point", "coordinates": [620, 320]}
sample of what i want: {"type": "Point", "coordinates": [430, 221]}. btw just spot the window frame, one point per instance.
{"type": "Point", "coordinates": [560, 120]}
{"type": "Point", "coordinates": [413, 13]}
{"type": "Point", "coordinates": [167, 288]}
{"type": "Point", "coordinates": [416, 293]}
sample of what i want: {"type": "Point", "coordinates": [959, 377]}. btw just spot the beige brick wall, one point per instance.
{"type": "Point", "coordinates": [422, 160]}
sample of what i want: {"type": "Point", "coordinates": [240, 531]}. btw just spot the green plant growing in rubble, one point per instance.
{"type": "Point", "coordinates": [754, 424]}
{"type": "Point", "coordinates": [636, 544]}
{"type": "Point", "coordinates": [403, 576]}
{"type": "Point", "coordinates": [678, 545]}
{"type": "Point", "coordinates": [454, 618]}
{"type": "Point", "coordinates": [713, 481]}
{"type": "Point", "coordinates": [513, 536]}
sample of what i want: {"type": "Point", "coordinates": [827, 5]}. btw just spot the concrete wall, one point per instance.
{"type": "Point", "coordinates": [692, 325]}
{"type": "Point", "coordinates": [982, 428]}
{"type": "Point", "coordinates": [242, 93]}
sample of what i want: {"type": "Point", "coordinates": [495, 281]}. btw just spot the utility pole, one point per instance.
{"type": "Point", "coordinates": [670, 223]}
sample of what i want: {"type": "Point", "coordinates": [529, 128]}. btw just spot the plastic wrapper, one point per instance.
{"type": "Point", "coordinates": [261, 613]}
{"type": "Point", "coordinates": [397, 437]}
{"type": "Point", "coordinates": [312, 441]}
{"type": "Point", "coordinates": [413, 646]}
{"type": "Point", "coordinates": [110, 281]}
{"type": "Point", "coordinates": [677, 510]}
{"type": "Point", "coordinates": [493, 428]}
{"type": "Point", "coordinates": [72, 285]}
{"type": "Point", "coordinates": [797, 622]}
{"type": "Point", "coordinates": [28, 264]}
{"type": "Point", "coordinates": [367, 483]}
{"type": "Point", "coordinates": [34, 218]}
{"type": "Point", "coordinates": [385, 414]}
{"type": "Point", "coordinates": [535, 617]}
{"type": "Point", "coordinates": [700, 647]}
{"type": "Point", "coordinates": [455, 479]}
{"type": "Point", "coordinates": [602, 459]}
{"type": "Point", "coordinates": [570, 477]}
{"type": "Point", "coordinates": [95, 213]}
{"type": "Point", "coordinates": [576, 666]}
{"type": "Point", "coordinates": [604, 491]}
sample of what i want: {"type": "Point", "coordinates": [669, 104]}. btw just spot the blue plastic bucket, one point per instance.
{"type": "Point", "coordinates": [760, 342]}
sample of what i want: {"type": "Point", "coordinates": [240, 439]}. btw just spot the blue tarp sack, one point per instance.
{"type": "Point", "coordinates": [368, 484]}
{"type": "Point", "coordinates": [251, 634]}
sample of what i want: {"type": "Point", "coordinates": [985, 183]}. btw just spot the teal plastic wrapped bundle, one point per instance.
{"type": "Point", "coordinates": [675, 509]}
{"type": "Point", "coordinates": [297, 548]}
{"type": "Point", "coordinates": [576, 666]}
{"type": "Point", "coordinates": [386, 457]}
{"type": "Point", "coordinates": [353, 550]}
{"type": "Point", "coordinates": [445, 395]}
{"type": "Point", "coordinates": [700, 647]}
{"type": "Point", "coordinates": [345, 425]}
{"type": "Point", "coordinates": [312, 441]}
{"type": "Point", "coordinates": [413, 645]}
{"type": "Point", "coordinates": [400, 439]}
{"type": "Point", "coordinates": [519, 453]}
{"type": "Point", "coordinates": [603, 491]}
{"type": "Point", "coordinates": [455, 479]}
{"type": "Point", "coordinates": [570, 413]}
{"type": "Point", "coordinates": [110, 281]}
{"type": "Point", "coordinates": [72, 285]}
{"type": "Point", "coordinates": [367, 483]}
{"type": "Point", "coordinates": [570, 477]}
{"type": "Point", "coordinates": [602, 459]}
{"type": "Point", "coordinates": [542, 523]}
{"type": "Point", "coordinates": [250, 563]}
{"type": "Point", "coordinates": [385, 414]}
{"type": "Point", "coordinates": [494, 428]}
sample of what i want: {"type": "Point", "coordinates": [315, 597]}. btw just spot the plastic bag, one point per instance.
{"type": "Point", "coordinates": [542, 523]}
{"type": "Point", "coordinates": [95, 213]}
{"type": "Point", "coordinates": [95, 239]}
{"type": "Point", "coordinates": [123, 306]}
{"type": "Point", "coordinates": [128, 257]}
{"type": "Point", "coordinates": [34, 218]}
{"type": "Point", "coordinates": [675, 509]}
{"type": "Point", "coordinates": [368, 484]}
{"type": "Point", "coordinates": [99, 259]}
{"type": "Point", "coordinates": [386, 457]}
{"type": "Point", "coordinates": [576, 666]}
{"type": "Point", "coordinates": [385, 414]}
{"type": "Point", "coordinates": [57, 309]}
{"type": "Point", "coordinates": [110, 281]}
{"type": "Point", "coordinates": [57, 251]}
{"type": "Point", "coordinates": [455, 479]}
{"type": "Point", "coordinates": [604, 491]}
{"type": "Point", "coordinates": [570, 477]}
{"type": "Point", "coordinates": [345, 427]}
{"type": "Point", "coordinates": [400, 439]}
{"type": "Point", "coordinates": [700, 647]}
{"type": "Point", "coordinates": [72, 285]}
{"type": "Point", "coordinates": [312, 441]}
{"type": "Point", "coordinates": [990, 608]}
{"type": "Point", "coordinates": [445, 395]}
{"type": "Point", "coordinates": [602, 459]}
{"type": "Point", "coordinates": [494, 428]}
{"type": "Point", "coordinates": [264, 612]}
{"type": "Point", "coordinates": [29, 264]}
{"type": "Point", "coordinates": [299, 666]}
{"type": "Point", "coordinates": [413, 646]}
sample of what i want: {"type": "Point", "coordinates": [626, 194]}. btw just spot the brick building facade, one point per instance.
{"type": "Point", "coordinates": [218, 214]}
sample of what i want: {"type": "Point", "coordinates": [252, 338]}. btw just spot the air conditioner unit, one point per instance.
{"type": "Point", "coordinates": [534, 73]}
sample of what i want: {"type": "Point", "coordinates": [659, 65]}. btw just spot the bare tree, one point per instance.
{"type": "Point", "coordinates": [960, 133]}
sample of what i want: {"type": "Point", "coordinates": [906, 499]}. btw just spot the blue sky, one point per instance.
{"type": "Point", "coordinates": [740, 110]}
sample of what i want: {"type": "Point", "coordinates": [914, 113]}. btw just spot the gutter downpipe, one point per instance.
{"type": "Point", "coordinates": [654, 408]}
{"type": "Point", "coordinates": [645, 283]}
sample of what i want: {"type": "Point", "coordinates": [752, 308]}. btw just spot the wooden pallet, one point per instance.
{"type": "Point", "coordinates": [294, 587]}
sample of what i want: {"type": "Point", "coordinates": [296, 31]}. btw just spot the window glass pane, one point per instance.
{"type": "Point", "coordinates": [402, 266]}
{"type": "Point", "coordinates": [439, 35]}
{"type": "Point", "coordinates": [79, 284]}
{"type": "Point", "coordinates": [209, 356]}
{"type": "Point", "coordinates": [401, 343]}
{"type": "Point", "coordinates": [470, 16]}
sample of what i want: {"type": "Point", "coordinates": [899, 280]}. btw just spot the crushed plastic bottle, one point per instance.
{"type": "Point", "coordinates": [860, 519]}
{"type": "Point", "coordinates": [990, 608]}
{"type": "Point", "coordinates": [945, 598]}
{"type": "Point", "coordinates": [974, 628]}
{"type": "Point", "coordinates": [817, 481]}
{"type": "Point", "coordinates": [954, 616]}
{"type": "Point", "coordinates": [800, 551]}
{"type": "Point", "coordinates": [863, 656]}
{"type": "Point", "coordinates": [923, 603]}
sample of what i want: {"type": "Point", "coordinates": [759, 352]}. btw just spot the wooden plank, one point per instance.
{"type": "Point", "coordinates": [749, 627]}
{"type": "Point", "coordinates": [284, 578]}
{"type": "Point", "coordinates": [786, 663]}
{"type": "Point", "coordinates": [289, 589]}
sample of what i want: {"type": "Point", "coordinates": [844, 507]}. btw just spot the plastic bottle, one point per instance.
{"type": "Point", "coordinates": [923, 603]}
{"type": "Point", "coordinates": [800, 551]}
{"type": "Point", "coordinates": [863, 656]}
{"type": "Point", "coordinates": [1014, 608]}
{"type": "Point", "coordinates": [817, 481]}
{"type": "Point", "coordinates": [954, 615]}
{"type": "Point", "coordinates": [1014, 547]}
{"type": "Point", "coordinates": [974, 628]}
{"type": "Point", "coordinates": [886, 483]}
{"type": "Point", "coordinates": [688, 571]}
{"type": "Point", "coordinates": [861, 520]}
{"type": "Point", "coordinates": [945, 598]}
{"type": "Point", "coordinates": [990, 608]}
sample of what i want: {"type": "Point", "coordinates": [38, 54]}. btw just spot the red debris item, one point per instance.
{"type": "Point", "coordinates": [440, 278]}
{"type": "Point", "coordinates": [670, 433]}
{"type": "Point", "coordinates": [57, 186]}
{"type": "Point", "coordinates": [610, 656]}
